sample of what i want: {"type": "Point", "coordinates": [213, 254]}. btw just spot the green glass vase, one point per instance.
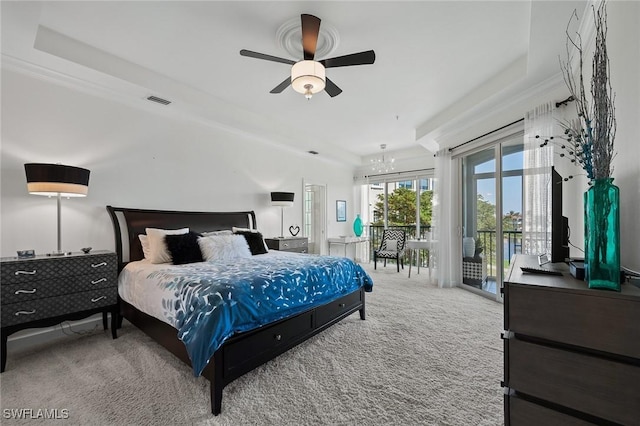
{"type": "Point", "coordinates": [602, 235]}
{"type": "Point", "coordinates": [358, 228]}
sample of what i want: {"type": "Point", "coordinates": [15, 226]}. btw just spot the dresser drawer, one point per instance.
{"type": "Point", "coordinates": [288, 244]}
{"type": "Point", "coordinates": [525, 413]}
{"type": "Point", "coordinates": [14, 293]}
{"type": "Point", "coordinates": [590, 384]}
{"type": "Point", "coordinates": [94, 281]}
{"type": "Point", "coordinates": [293, 244]}
{"type": "Point", "coordinates": [89, 264]}
{"type": "Point", "coordinates": [21, 312]}
{"type": "Point", "coordinates": [337, 307]}
{"type": "Point", "coordinates": [592, 319]}
{"type": "Point", "coordinates": [21, 292]}
{"type": "Point", "coordinates": [28, 271]}
{"type": "Point", "coordinates": [267, 340]}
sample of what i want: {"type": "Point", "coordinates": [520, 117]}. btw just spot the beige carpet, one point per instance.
{"type": "Point", "coordinates": [424, 356]}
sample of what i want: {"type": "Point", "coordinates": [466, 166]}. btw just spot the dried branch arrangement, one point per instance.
{"type": "Point", "coordinates": [589, 138]}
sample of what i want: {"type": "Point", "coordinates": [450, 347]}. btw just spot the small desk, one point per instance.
{"type": "Point", "coordinates": [345, 241]}
{"type": "Point", "coordinates": [415, 246]}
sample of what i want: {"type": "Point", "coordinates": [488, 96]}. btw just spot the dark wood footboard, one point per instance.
{"type": "Point", "coordinates": [246, 351]}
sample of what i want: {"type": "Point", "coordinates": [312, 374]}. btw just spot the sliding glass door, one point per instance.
{"type": "Point", "coordinates": [480, 247]}
{"type": "Point", "coordinates": [512, 190]}
{"type": "Point", "coordinates": [491, 214]}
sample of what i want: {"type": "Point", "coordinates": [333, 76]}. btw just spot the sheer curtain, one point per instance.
{"type": "Point", "coordinates": [446, 234]}
{"type": "Point", "coordinates": [536, 228]}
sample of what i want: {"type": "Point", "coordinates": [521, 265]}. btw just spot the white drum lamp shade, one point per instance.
{"type": "Point", "coordinates": [57, 180]}
{"type": "Point", "coordinates": [308, 78]}
{"type": "Point", "coordinates": [282, 200]}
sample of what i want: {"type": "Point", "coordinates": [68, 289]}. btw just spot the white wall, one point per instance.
{"type": "Point", "coordinates": [623, 48]}
{"type": "Point", "coordinates": [623, 44]}
{"type": "Point", "coordinates": [139, 158]}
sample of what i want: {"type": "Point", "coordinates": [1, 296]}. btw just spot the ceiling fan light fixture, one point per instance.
{"type": "Point", "coordinates": [308, 78]}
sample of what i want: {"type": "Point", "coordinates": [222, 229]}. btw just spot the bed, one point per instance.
{"type": "Point", "coordinates": [229, 356]}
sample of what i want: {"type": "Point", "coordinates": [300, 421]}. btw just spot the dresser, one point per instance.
{"type": "Point", "coordinates": [571, 354]}
{"type": "Point", "coordinates": [292, 244]}
{"type": "Point", "coordinates": [44, 290]}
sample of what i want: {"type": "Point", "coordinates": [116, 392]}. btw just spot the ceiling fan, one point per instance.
{"type": "Point", "coordinates": [308, 75]}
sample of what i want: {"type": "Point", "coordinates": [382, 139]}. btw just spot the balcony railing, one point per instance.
{"type": "Point", "coordinates": [375, 238]}
{"type": "Point", "coordinates": [512, 243]}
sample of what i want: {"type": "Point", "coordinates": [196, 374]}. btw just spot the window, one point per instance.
{"type": "Point", "coordinates": [398, 204]}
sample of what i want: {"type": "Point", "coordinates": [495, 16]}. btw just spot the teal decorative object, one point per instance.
{"type": "Point", "coordinates": [602, 235]}
{"type": "Point", "coordinates": [358, 227]}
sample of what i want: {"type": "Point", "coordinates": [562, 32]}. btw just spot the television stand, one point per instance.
{"type": "Point", "coordinates": [571, 354]}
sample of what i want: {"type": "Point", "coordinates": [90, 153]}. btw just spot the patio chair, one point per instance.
{"type": "Point", "coordinates": [391, 247]}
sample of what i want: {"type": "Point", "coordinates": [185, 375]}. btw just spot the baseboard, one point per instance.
{"type": "Point", "coordinates": [26, 339]}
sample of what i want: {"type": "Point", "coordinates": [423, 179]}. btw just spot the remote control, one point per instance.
{"type": "Point", "coordinates": [539, 271]}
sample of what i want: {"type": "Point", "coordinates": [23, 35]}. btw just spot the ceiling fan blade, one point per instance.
{"type": "Point", "coordinates": [280, 87]}
{"type": "Point", "coordinates": [331, 88]}
{"type": "Point", "coordinates": [361, 58]}
{"type": "Point", "coordinates": [310, 30]}
{"type": "Point", "coordinates": [252, 54]}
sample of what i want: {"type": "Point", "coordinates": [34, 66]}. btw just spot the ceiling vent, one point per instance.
{"type": "Point", "coordinates": [158, 100]}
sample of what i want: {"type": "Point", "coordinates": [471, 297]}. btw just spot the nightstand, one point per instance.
{"type": "Point", "coordinates": [45, 290]}
{"type": "Point", "coordinates": [291, 244]}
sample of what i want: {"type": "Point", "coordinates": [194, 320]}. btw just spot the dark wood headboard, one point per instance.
{"type": "Point", "coordinates": [129, 223]}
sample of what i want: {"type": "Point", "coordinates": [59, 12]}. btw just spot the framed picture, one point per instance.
{"type": "Point", "coordinates": [341, 210]}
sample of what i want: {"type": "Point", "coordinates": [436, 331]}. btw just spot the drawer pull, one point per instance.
{"type": "Point", "coordinates": [25, 291]}
{"type": "Point", "coordinates": [25, 272]}
{"type": "Point", "coordinates": [285, 245]}
{"type": "Point", "coordinates": [97, 265]}
{"type": "Point", "coordinates": [342, 305]}
{"type": "Point", "coordinates": [278, 337]}
{"type": "Point", "coordinates": [98, 281]}
{"type": "Point", "coordinates": [31, 312]}
{"type": "Point", "coordinates": [98, 298]}
{"type": "Point", "coordinates": [506, 335]}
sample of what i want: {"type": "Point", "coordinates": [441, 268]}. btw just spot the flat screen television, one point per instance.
{"type": "Point", "coordinates": [559, 223]}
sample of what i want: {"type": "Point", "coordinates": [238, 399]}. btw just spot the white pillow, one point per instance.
{"type": "Point", "coordinates": [158, 252]}
{"type": "Point", "coordinates": [145, 246]}
{"type": "Point", "coordinates": [224, 247]}
{"type": "Point", "coordinates": [234, 229]}
{"type": "Point", "coordinates": [253, 231]}
{"type": "Point", "coordinates": [223, 232]}
{"type": "Point", "coordinates": [392, 245]}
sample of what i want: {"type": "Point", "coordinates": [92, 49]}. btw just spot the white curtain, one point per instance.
{"type": "Point", "coordinates": [446, 236]}
{"type": "Point", "coordinates": [536, 228]}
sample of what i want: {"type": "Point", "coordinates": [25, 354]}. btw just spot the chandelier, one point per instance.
{"type": "Point", "coordinates": [382, 164]}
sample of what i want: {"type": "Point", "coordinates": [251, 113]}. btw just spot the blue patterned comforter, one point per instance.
{"type": "Point", "coordinates": [209, 302]}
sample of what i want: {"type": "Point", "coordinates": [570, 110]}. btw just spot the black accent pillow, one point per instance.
{"type": "Point", "coordinates": [255, 241]}
{"type": "Point", "coordinates": [184, 248]}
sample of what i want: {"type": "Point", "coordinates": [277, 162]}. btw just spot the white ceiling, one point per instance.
{"type": "Point", "coordinates": [434, 61]}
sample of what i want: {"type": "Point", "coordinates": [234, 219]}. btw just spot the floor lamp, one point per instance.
{"type": "Point", "coordinates": [57, 180]}
{"type": "Point", "coordinates": [282, 199]}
